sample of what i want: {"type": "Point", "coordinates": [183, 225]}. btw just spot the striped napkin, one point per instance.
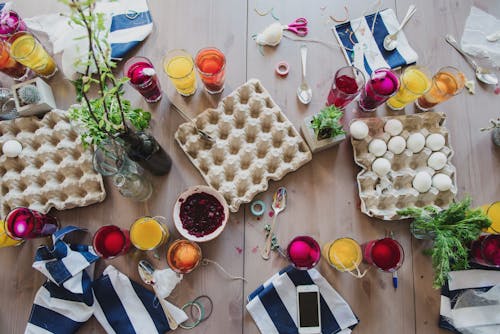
{"type": "Point", "coordinates": [480, 319]}
{"type": "Point", "coordinates": [126, 307]}
{"type": "Point", "coordinates": [273, 305]}
{"type": "Point", "coordinates": [65, 301]}
{"type": "Point", "coordinates": [370, 53]}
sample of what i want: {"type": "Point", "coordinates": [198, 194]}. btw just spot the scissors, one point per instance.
{"type": "Point", "coordinates": [298, 27]}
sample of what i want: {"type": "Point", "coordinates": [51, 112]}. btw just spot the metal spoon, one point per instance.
{"type": "Point", "coordinates": [482, 74]}
{"type": "Point", "coordinates": [146, 271]}
{"type": "Point", "coordinates": [203, 134]}
{"type": "Point", "coordinates": [391, 41]}
{"type": "Point", "coordinates": [304, 92]}
{"type": "Point", "coordinates": [279, 204]}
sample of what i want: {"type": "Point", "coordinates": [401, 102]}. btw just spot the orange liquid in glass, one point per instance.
{"type": "Point", "coordinates": [445, 85]}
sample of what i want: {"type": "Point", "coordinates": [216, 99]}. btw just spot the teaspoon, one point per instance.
{"type": "Point", "coordinates": [304, 92]}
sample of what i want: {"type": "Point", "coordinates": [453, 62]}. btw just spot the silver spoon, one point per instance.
{"type": "Point", "coordinates": [482, 74]}
{"type": "Point", "coordinates": [391, 41]}
{"type": "Point", "coordinates": [304, 92]}
{"type": "Point", "coordinates": [279, 204]}
{"type": "Point", "coordinates": [203, 134]}
{"type": "Point", "coordinates": [146, 271]}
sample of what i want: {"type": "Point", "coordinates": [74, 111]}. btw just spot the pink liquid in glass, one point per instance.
{"type": "Point", "coordinates": [382, 85]}
{"type": "Point", "coordinates": [343, 91]}
{"type": "Point", "coordinates": [23, 223]}
{"type": "Point", "coordinates": [110, 241]}
{"type": "Point", "coordinates": [10, 23]}
{"type": "Point", "coordinates": [304, 252]}
{"type": "Point", "coordinates": [143, 78]}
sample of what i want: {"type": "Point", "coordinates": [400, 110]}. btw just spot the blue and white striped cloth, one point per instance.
{"type": "Point", "coordinates": [66, 300]}
{"type": "Point", "coordinates": [126, 307]}
{"type": "Point", "coordinates": [374, 54]}
{"type": "Point", "coordinates": [273, 305]}
{"type": "Point", "coordinates": [484, 318]}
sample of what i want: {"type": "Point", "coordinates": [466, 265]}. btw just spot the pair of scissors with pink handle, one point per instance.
{"type": "Point", "coordinates": [298, 27]}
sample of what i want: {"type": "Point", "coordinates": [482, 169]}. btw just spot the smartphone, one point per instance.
{"type": "Point", "coordinates": [309, 314]}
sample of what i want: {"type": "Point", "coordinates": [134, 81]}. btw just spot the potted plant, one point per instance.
{"type": "Point", "coordinates": [33, 97]}
{"type": "Point", "coordinates": [323, 130]}
{"type": "Point", "coordinates": [109, 115]}
{"type": "Point", "coordinates": [495, 128]}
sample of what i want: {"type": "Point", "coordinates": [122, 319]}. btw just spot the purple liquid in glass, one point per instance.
{"type": "Point", "coordinates": [23, 223]}
{"type": "Point", "coordinates": [381, 86]}
{"type": "Point", "coordinates": [10, 23]}
{"type": "Point", "coordinates": [144, 79]}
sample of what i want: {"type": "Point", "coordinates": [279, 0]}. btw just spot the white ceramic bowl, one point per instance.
{"type": "Point", "coordinates": [177, 208]}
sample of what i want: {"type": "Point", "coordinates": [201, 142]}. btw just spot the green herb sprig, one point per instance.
{"type": "Point", "coordinates": [326, 123]}
{"type": "Point", "coordinates": [452, 230]}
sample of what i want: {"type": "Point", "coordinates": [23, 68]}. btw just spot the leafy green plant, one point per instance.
{"type": "Point", "coordinates": [451, 230]}
{"type": "Point", "coordinates": [326, 123]}
{"type": "Point", "coordinates": [108, 114]}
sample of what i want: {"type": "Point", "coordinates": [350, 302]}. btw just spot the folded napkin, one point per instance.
{"type": "Point", "coordinates": [374, 55]}
{"type": "Point", "coordinates": [481, 314]}
{"type": "Point", "coordinates": [65, 301]}
{"type": "Point", "coordinates": [124, 306]}
{"type": "Point", "coordinates": [273, 305]}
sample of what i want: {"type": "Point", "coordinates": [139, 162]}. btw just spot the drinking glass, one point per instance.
{"type": "Point", "coordinates": [343, 254]}
{"type": "Point", "coordinates": [27, 50]}
{"type": "Point", "coordinates": [211, 65]}
{"type": "Point", "coordinates": [110, 241]}
{"type": "Point", "coordinates": [9, 66]}
{"type": "Point", "coordinates": [382, 85]}
{"type": "Point", "coordinates": [183, 256]}
{"type": "Point", "coordinates": [486, 250]}
{"type": "Point", "coordinates": [347, 84]}
{"type": "Point", "coordinates": [385, 254]}
{"type": "Point", "coordinates": [414, 82]}
{"type": "Point", "coordinates": [5, 240]}
{"type": "Point", "coordinates": [143, 78]}
{"type": "Point", "coordinates": [10, 23]}
{"type": "Point", "coordinates": [446, 83]}
{"type": "Point", "coordinates": [304, 252]}
{"type": "Point", "coordinates": [493, 212]}
{"type": "Point", "coordinates": [149, 233]}
{"type": "Point", "coordinates": [23, 223]}
{"type": "Point", "coordinates": [179, 66]}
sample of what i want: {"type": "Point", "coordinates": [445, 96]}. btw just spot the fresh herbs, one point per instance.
{"type": "Point", "coordinates": [452, 230]}
{"type": "Point", "coordinates": [109, 114]}
{"type": "Point", "coordinates": [326, 123]}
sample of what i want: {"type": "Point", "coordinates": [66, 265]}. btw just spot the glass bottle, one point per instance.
{"type": "Point", "coordinates": [145, 150]}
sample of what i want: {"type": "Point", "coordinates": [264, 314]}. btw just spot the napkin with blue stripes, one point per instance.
{"type": "Point", "coordinates": [66, 300]}
{"type": "Point", "coordinates": [483, 319]}
{"type": "Point", "coordinates": [273, 305]}
{"type": "Point", "coordinates": [372, 45]}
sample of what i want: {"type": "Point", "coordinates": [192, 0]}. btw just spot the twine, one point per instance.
{"type": "Point", "coordinates": [358, 272]}
{"type": "Point", "coordinates": [205, 262]}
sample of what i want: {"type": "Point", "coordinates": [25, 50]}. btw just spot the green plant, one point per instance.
{"type": "Point", "coordinates": [108, 114]}
{"type": "Point", "coordinates": [452, 230]}
{"type": "Point", "coordinates": [326, 123]}
{"type": "Point", "coordinates": [29, 94]}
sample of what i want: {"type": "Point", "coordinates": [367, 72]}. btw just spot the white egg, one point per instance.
{"type": "Point", "coordinates": [422, 182]}
{"type": "Point", "coordinates": [442, 182]}
{"type": "Point", "coordinates": [435, 141]}
{"type": "Point", "coordinates": [359, 130]}
{"type": "Point", "coordinates": [377, 147]}
{"type": "Point", "coordinates": [12, 148]}
{"type": "Point", "coordinates": [396, 144]}
{"type": "Point", "coordinates": [415, 142]}
{"type": "Point", "coordinates": [381, 166]}
{"type": "Point", "coordinates": [437, 160]}
{"type": "Point", "coordinates": [393, 127]}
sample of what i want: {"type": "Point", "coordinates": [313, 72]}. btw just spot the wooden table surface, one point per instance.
{"type": "Point", "coordinates": [323, 198]}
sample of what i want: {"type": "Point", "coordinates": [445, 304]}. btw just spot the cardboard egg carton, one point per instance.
{"type": "Point", "coordinates": [254, 143]}
{"type": "Point", "coordinates": [382, 197]}
{"type": "Point", "coordinates": [53, 169]}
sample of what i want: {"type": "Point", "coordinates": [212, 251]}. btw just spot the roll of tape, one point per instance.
{"type": "Point", "coordinates": [258, 208]}
{"type": "Point", "coordinates": [282, 69]}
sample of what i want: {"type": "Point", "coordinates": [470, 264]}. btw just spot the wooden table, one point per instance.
{"type": "Point", "coordinates": [323, 198]}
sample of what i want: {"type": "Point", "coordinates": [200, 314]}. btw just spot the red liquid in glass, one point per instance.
{"type": "Point", "coordinates": [111, 241]}
{"type": "Point", "coordinates": [23, 223]}
{"type": "Point", "coordinates": [304, 252]}
{"type": "Point", "coordinates": [384, 253]}
{"type": "Point", "coordinates": [378, 89]}
{"type": "Point", "coordinates": [147, 85]}
{"type": "Point", "coordinates": [486, 250]}
{"type": "Point", "coordinates": [211, 63]}
{"type": "Point", "coordinates": [343, 91]}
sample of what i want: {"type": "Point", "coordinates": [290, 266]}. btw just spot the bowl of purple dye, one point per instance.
{"type": "Point", "coordinates": [200, 214]}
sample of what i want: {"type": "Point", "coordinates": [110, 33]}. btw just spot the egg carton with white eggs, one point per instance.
{"type": "Point", "coordinates": [49, 169]}
{"type": "Point", "coordinates": [254, 142]}
{"type": "Point", "coordinates": [405, 161]}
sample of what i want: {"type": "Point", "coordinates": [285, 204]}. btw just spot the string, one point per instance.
{"type": "Point", "coordinates": [331, 46]}
{"type": "Point", "coordinates": [343, 20]}
{"type": "Point", "coordinates": [358, 274]}
{"type": "Point", "coordinates": [261, 13]}
{"type": "Point", "coordinates": [273, 15]}
{"type": "Point", "coordinates": [205, 262]}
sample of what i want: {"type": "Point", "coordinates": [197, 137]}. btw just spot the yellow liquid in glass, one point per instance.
{"type": "Point", "coordinates": [414, 83]}
{"type": "Point", "coordinates": [344, 254]}
{"type": "Point", "coordinates": [5, 241]}
{"type": "Point", "coordinates": [493, 212]}
{"type": "Point", "coordinates": [27, 51]}
{"type": "Point", "coordinates": [181, 72]}
{"type": "Point", "coordinates": [147, 234]}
